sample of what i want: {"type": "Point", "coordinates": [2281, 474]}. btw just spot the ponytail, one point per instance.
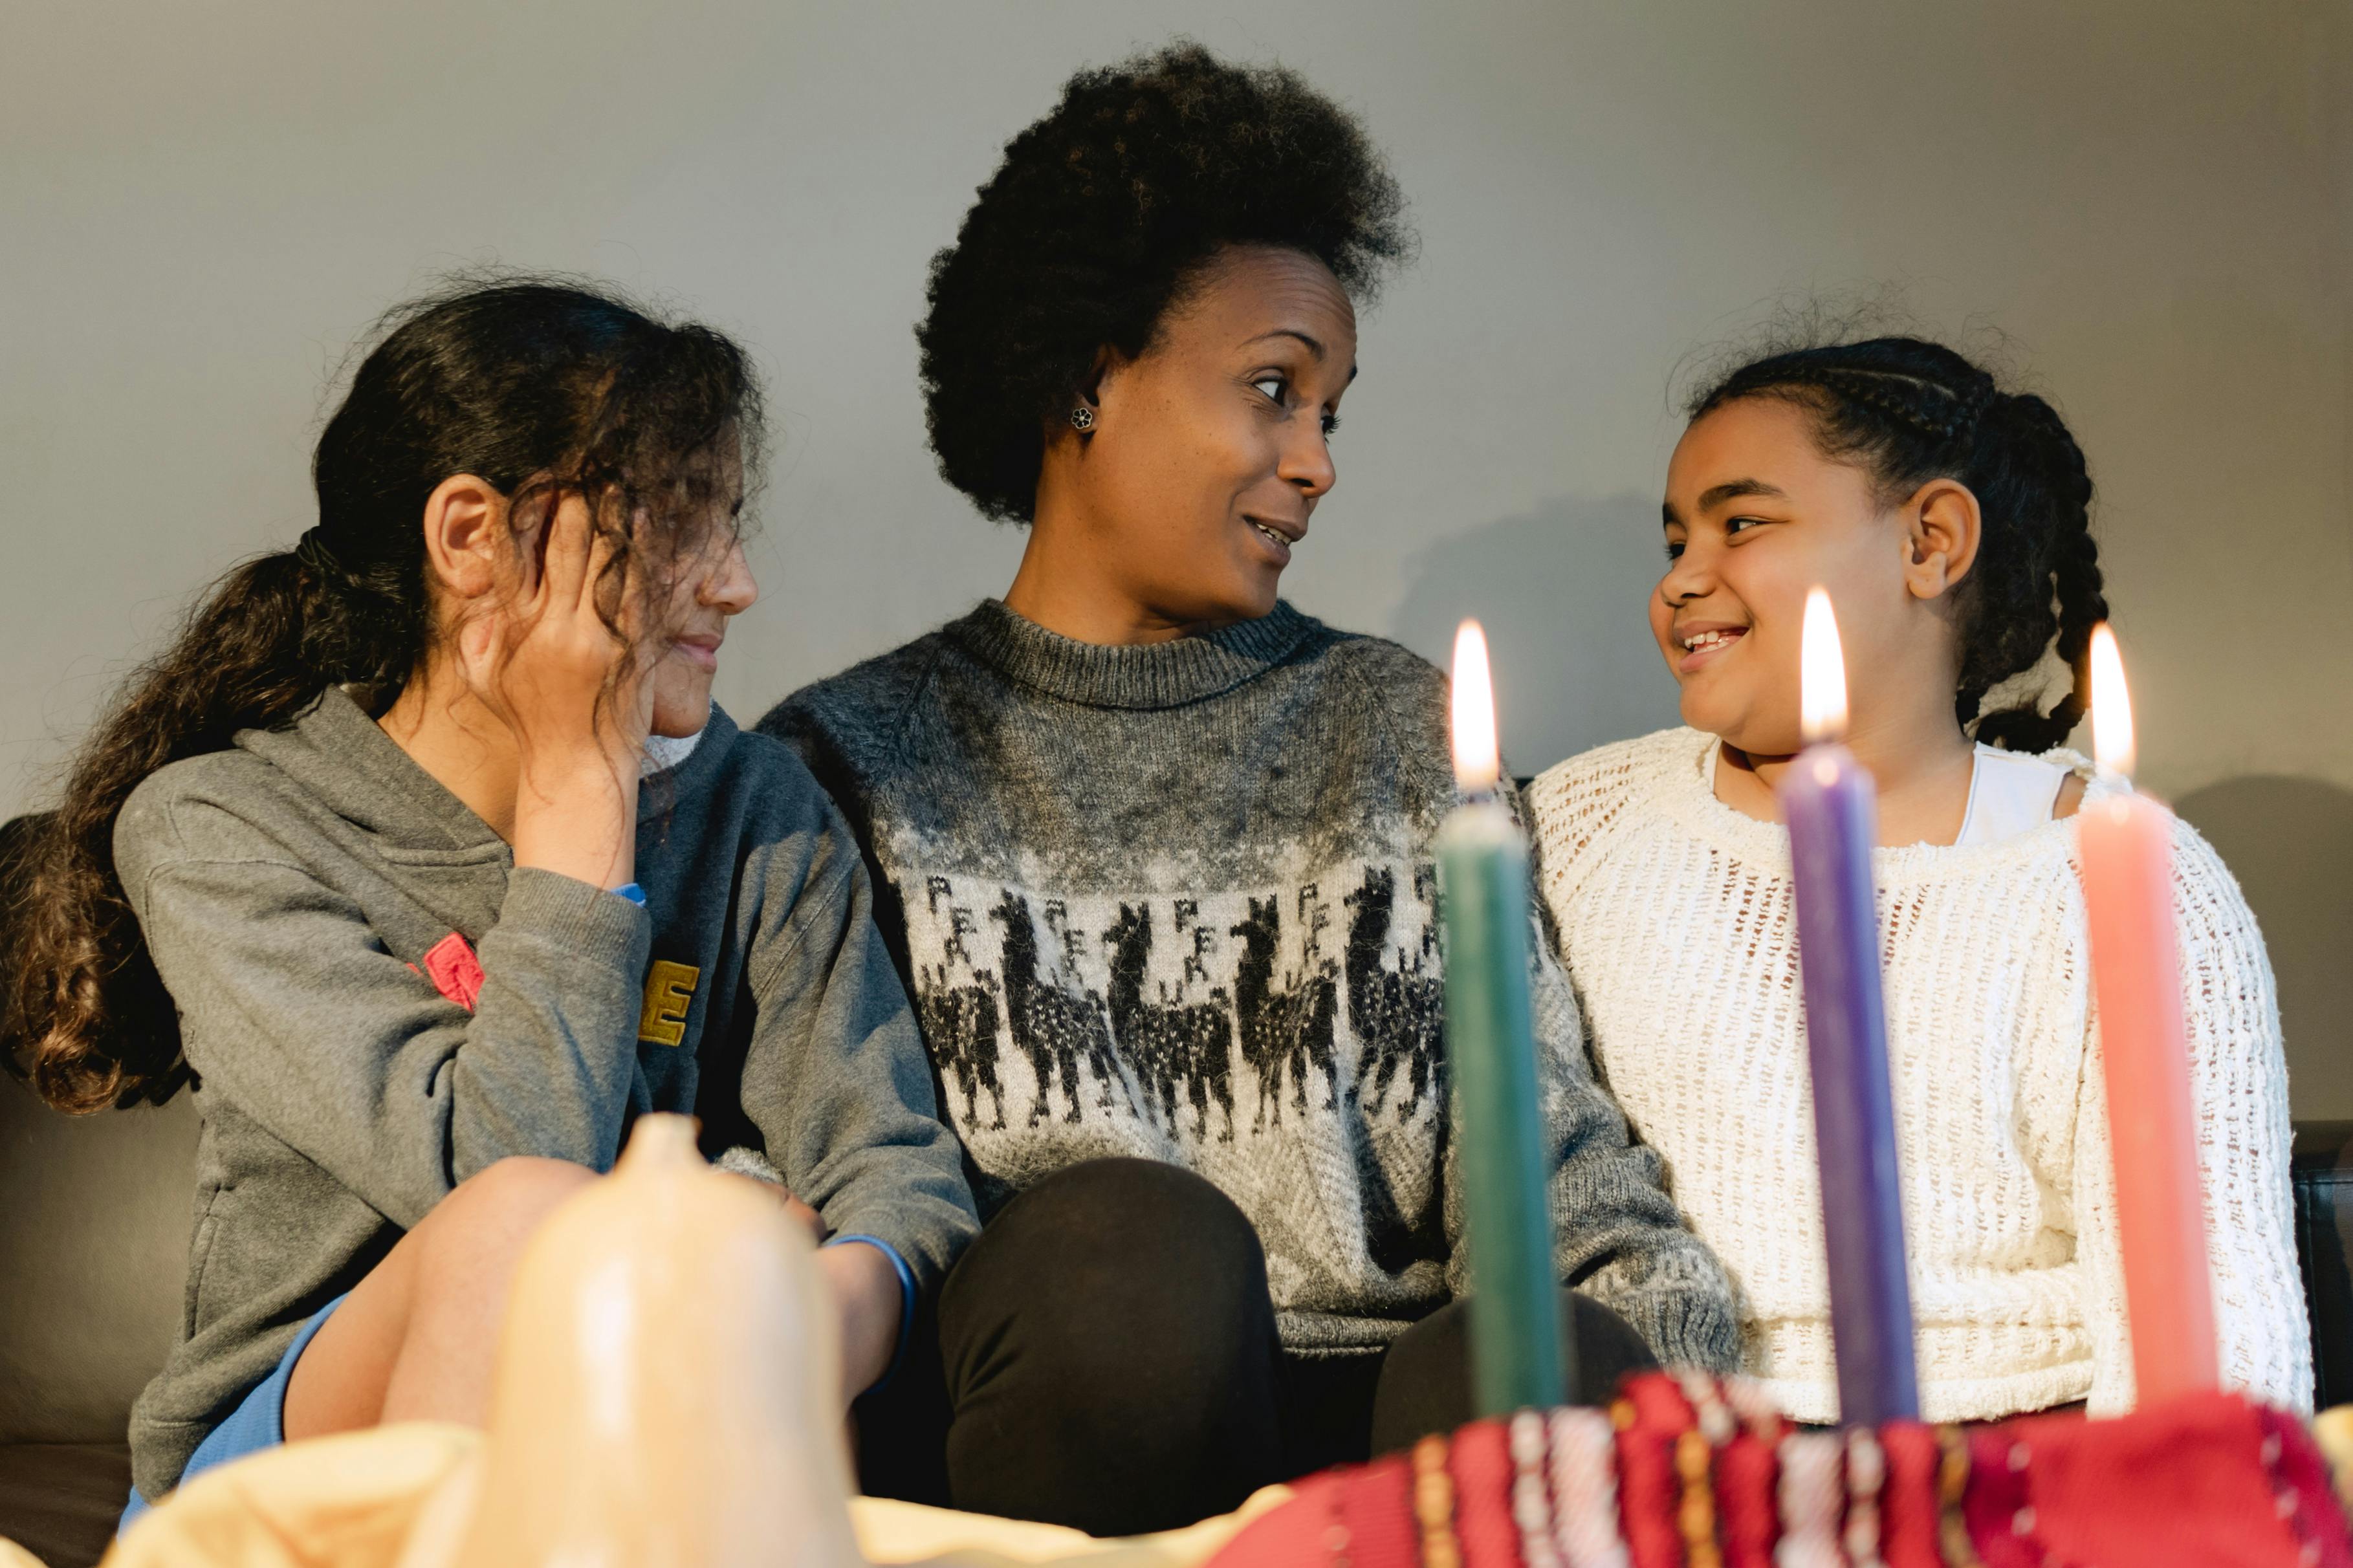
{"type": "Point", "coordinates": [530, 385]}
{"type": "Point", "coordinates": [98, 1029]}
{"type": "Point", "coordinates": [1908, 411]}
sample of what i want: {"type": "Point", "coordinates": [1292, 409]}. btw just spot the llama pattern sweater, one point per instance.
{"type": "Point", "coordinates": [1177, 902]}
{"type": "Point", "coordinates": [1674, 915]}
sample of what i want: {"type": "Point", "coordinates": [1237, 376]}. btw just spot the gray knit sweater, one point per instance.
{"type": "Point", "coordinates": [1177, 902]}
{"type": "Point", "coordinates": [290, 889]}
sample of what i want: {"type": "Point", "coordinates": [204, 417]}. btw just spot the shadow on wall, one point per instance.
{"type": "Point", "coordinates": [1561, 591]}
{"type": "Point", "coordinates": [2290, 843]}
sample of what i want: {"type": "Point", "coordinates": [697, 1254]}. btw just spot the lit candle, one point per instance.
{"type": "Point", "coordinates": [1831, 808]}
{"type": "Point", "coordinates": [1516, 1355]}
{"type": "Point", "coordinates": [2125, 844]}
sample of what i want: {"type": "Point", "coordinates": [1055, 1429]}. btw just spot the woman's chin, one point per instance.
{"type": "Point", "coordinates": [680, 713]}
{"type": "Point", "coordinates": [1258, 592]}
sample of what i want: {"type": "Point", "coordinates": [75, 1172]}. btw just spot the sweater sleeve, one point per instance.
{"type": "Point", "coordinates": [2239, 1089]}
{"type": "Point", "coordinates": [1618, 1235]}
{"type": "Point", "coordinates": [835, 1074]}
{"type": "Point", "coordinates": [293, 1009]}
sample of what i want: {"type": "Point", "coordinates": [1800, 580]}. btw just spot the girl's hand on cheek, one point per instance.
{"type": "Point", "coordinates": [571, 689]}
{"type": "Point", "coordinates": [547, 663]}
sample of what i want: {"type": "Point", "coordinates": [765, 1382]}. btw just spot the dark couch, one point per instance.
{"type": "Point", "coordinates": [94, 1214]}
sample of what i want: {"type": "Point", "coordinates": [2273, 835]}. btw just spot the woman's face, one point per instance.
{"type": "Point", "coordinates": [712, 583]}
{"type": "Point", "coordinates": [1755, 515]}
{"type": "Point", "coordinates": [1210, 451]}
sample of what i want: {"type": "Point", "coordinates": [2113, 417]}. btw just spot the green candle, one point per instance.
{"type": "Point", "coordinates": [1482, 866]}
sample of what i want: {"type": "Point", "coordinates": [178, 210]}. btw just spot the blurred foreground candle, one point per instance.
{"type": "Point", "coordinates": [1482, 867]}
{"type": "Point", "coordinates": [2126, 846]}
{"type": "Point", "coordinates": [1831, 811]}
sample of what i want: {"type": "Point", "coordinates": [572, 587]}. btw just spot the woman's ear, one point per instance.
{"type": "Point", "coordinates": [1942, 529]}
{"type": "Point", "coordinates": [1065, 428]}
{"type": "Point", "coordinates": [465, 535]}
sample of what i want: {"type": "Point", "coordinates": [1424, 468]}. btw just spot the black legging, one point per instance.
{"type": "Point", "coordinates": [1105, 1356]}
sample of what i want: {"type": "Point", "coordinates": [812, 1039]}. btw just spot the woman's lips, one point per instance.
{"type": "Point", "coordinates": [1276, 544]}
{"type": "Point", "coordinates": [1713, 645]}
{"type": "Point", "coordinates": [700, 652]}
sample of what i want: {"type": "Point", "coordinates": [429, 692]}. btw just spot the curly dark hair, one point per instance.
{"type": "Point", "coordinates": [541, 386]}
{"type": "Point", "coordinates": [1101, 215]}
{"type": "Point", "coordinates": [1907, 411]}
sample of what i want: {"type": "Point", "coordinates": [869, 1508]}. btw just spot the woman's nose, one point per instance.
{"type": "Point", "coordinates": [1306, 461]}
{"type": "Point", "coordinates": [732, 589]}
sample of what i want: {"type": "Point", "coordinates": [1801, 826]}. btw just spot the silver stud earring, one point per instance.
{"type": "Point", "coordinates": [1083, 418]}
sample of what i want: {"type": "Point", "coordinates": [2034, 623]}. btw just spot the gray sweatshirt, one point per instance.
{"type": "Point", "coordinates": [289, 890]}
{"type": "Point", "coordinates": [1179, 902]}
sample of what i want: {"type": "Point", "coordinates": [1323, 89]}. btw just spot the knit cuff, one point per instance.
{"type": "Point", "coordinates": [1684, 1328]}
{"type": "Point", "coordinates": [574, 917]}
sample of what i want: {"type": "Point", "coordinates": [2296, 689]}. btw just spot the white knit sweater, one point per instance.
{"type": "Point", "coordinates": [1673, 912]}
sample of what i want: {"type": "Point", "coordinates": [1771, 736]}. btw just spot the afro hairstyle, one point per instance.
{"type": "Point", "coordinates": [1100, 215]}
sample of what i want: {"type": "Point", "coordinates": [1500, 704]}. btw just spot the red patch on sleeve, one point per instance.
{"type": "Point", "coordinates": [454, 970]}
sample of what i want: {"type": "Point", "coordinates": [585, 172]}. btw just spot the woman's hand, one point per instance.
{"type": "Point", "coordinates": [572, 693]}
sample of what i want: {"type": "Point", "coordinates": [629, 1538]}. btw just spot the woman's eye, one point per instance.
{"type": "Point", "coordinates": [1741, 524]}
{"type": "Point", "coordinates": [1272, 386]}
{"type": "Point", "coordinates": [1674, 551]}
{"type": "Point", "coordinates": [1331, 424]}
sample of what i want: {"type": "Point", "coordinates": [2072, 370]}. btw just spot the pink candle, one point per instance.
{"type": "Point", "coordinates": [2125, 844]}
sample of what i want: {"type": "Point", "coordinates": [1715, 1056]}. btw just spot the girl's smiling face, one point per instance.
{"type": "Point", "coordinates": [1755, 515]}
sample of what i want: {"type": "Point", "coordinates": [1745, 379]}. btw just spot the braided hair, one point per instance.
{"type": "Point", "coordinates": [1907, 411]}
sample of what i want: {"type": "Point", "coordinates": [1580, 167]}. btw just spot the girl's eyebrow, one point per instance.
{"type": "Point", "coordinates": [1717, 495]}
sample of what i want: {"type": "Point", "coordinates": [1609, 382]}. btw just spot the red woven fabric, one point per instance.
{"type": "Point", "coordinates": [1480, 1464]}
{"type": "Point", "coordinates": [2211, 1481]}
{"type": "Point", "coordinates": [1375, 1507]}
{"type": "Point", "coordinates": [1748, 1519]}
{"type": "Point", "coordinates": [2187, 1485]}
{"type": "Point", "coordinates": [2300, 1469]}
{"type": "Point", "coordinates": [1659, 1404]}
{"type": "Point", "coordinates": [1648, 1490]}
{"type": "Point", "coordinates": [1907, 1504]}
{"type": "Point", "coordinates": [1298, 1533]}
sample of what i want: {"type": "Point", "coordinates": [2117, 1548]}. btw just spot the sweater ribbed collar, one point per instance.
{"type": "Point", "coordinates": [1141, 676]}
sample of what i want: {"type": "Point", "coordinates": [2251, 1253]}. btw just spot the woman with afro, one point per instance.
{"type": "Point", "coordinates": [1154, 853]}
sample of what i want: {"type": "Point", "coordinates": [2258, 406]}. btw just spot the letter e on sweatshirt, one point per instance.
{"type": "Point", "coordinates": [669, 992]}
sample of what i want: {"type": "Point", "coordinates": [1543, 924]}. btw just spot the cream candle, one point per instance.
{"type": "Point", "coordinates": [2125, 849]}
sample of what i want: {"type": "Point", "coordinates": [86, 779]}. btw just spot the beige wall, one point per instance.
{"type": "Point", "coordinates": [199, 205]}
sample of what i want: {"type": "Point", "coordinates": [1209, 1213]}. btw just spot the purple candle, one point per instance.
{"type": "Point", "coordinates": [1831, 808]}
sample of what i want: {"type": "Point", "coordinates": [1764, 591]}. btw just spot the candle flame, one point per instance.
{"type": "Point", "coordinates": [1821, 672]}
{"type": "Point", "coordinates": [1477, 763]}
{"type": "Point", "coordinates": [2112, 718]}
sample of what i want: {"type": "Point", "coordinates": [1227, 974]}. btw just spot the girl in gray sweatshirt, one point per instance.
{"type": "Point", "coordinates": [425, 860]}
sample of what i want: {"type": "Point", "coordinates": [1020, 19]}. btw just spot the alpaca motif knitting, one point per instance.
{"type": "Point", "coordinates": [1177, 902]}
{"type": "Point", "coordinates": [1675, 916]}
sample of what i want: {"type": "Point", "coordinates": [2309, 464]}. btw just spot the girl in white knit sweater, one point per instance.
{"type": "Point", "coordinates": [1949, 520]}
